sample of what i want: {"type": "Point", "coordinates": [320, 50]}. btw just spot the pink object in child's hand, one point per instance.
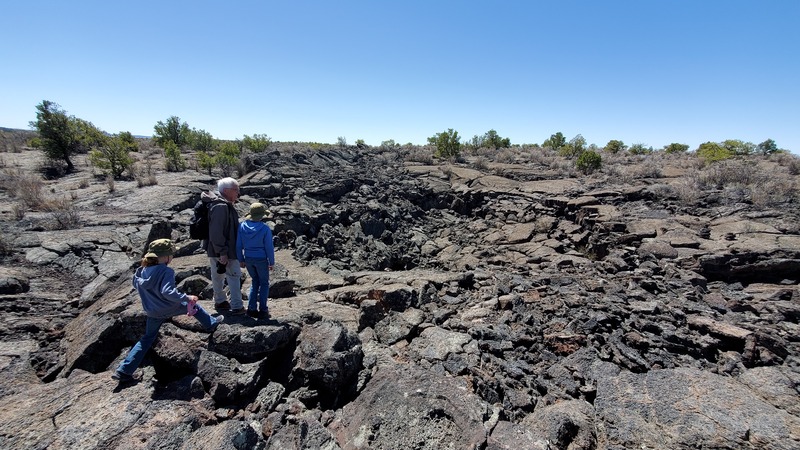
{"type": "Point", "coordinates": [191, 307]}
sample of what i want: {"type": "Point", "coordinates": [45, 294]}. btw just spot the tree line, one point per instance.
{"type": "Point", "coordinates": [61, 136]}
{"type": "Point", "coordinates": [588, 157]}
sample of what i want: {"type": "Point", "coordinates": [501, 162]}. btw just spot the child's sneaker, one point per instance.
{"type": "Point", "coordinates": [218, 320]}
{"type": "Point", "coordinates": [123, 378]}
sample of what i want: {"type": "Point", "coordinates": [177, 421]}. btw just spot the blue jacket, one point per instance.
{"type": "Point", "coordinates": [161, 299]}
{"type": "Point", "coordinates": [254, 242]}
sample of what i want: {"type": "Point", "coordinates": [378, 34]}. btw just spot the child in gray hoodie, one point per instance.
{"type": "Point", "coordinates": [161, 300]}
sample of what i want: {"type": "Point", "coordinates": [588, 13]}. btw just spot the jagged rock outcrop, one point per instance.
{"type": "Point", "coordinates": [414, 306]}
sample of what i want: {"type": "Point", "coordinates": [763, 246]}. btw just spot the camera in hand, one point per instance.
{"type": "Point", "coordinates": [221, 268]}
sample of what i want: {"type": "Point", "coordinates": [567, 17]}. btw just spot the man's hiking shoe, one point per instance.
{"type": "Point", "coordinates": [224, 306]}
{"type": "Point", "coordinates": [237, 312]}
{"type": "Point", "coordinates": [252, 313]}
{"type": "Point", "coordinates": [123, 378]}
{"type": "Point", "coordinates": [263, 314]}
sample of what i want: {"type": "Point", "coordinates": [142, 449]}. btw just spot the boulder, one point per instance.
{"type": "Point", "coordinates": [688, 408]}
{"type": "Point", "coordinates": [404, 407]}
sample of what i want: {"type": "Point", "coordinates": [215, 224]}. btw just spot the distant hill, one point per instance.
{"type": "Point", "coordinates": [13, 140]}
{"type": "Point", "coordinates": [15, 130]}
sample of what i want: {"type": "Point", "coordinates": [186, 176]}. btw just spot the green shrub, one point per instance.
{"type": "Point", "coordinates": [173, 130]}
{"type": "Point", "coordinates": [767, 147]}
{"type": "Point", "coordinates": [256, 143]}
{"type": "Point", "coordinates": [713, 152]}
{"type": "Point", "coordinates": [615, 146]}
{"type": "Point", "coordinates": [227, 157]}
{"type": "Point", "coordinates": [555, 141]}
{"type": "Point", "coordinates": [447, 144]}
{"type": "Point", "coordinates": [738, 147]}
{"type": "Point", "coordinates": [640, 149]}
{"type": "Point", "coordinates": [62, 136]}
{"type": "Point", "coordinates": [174, 160]}
{"type": "Point", "coordinates": [490, 139]}
{"type": "Point", "coordinates": [205, 161]}
{"type": "Point", "coordinates": [203, 141]}
{"type": "Point", "coordinates": [128, 141]}
{"type": "Point", "coordinates": [588, 162]}
{"type": "Point", "coordinates": [676, 148]}
{"type": "Point", "coordinates": [113, 158]}
{"type": "Point", "coordinates": [574, 148]}
{"type": "Point", "coordinates": [389, 144]}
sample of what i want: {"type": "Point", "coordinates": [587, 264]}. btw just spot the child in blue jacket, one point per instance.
{"type": "Point", "coordinates": [161, 300]}
{"type": "Point", "coordinates": [255, 251]}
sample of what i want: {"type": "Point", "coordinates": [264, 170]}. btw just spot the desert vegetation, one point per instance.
{"type": "Point", "coordinates": [762, 174]}
{"type": "Point", "coordinates": [61, 136]}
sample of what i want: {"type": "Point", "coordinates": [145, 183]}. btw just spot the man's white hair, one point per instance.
{"type": "Point", "coordinates": [226, 183]}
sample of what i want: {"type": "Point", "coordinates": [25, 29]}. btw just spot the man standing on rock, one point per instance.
{"type": "Point", "coordinates": [223, 227]}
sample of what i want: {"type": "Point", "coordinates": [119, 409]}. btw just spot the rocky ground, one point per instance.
{"type": "Point", "coordinates": [502, 301]}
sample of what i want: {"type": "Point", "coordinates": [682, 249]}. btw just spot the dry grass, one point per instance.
{"type": "Point", "coordinates": [63, 212]}
{"type": "Point", "coordinates": [794, 167]}
{"type": "Point", "coordinates": [775, 191]}
{"type": "Point", "coordinates": [19, 211]}
{"type": "Point", "coordinates": [481, 163]}
{"type": "Point", "coordinates": [627, 168]}
{"type": "Point", "coordinates": [384, 159]}
{"type": "Point", "coordinates": [149, 149]}
{"type": "Point", "coordinates": [447, 171]}
{"type": "Point", "coordinates": [688, 188]}
{"type": "Point", "coordinates": [506, 156]}
{"type": "Point", "coordinates": [31, 194]}
{"type": "Point", "coordinates": [5, 247]}
{"type": "Point", "coordinates": [15, 141]}
{"type": "Point", "coordinates": [420, 155]}
{"type": "Point", "coordinates": [544, 224]}
{"type": "Point", "coordinates": [144, 174]}
{"type": "Point", "coordinates": [649, 169]}
{"type": "Point", "coordinates": [742, 180]}
{"type": "Point", "coordinates": [787, 160]}
{"type": "Point", "coordinates": [539, 156]}
{"type": "Point", "coordinates": [731, 172]}
{"type": "Point", "coordinates": [664, 191]}
{"type": "Point", "coordinates": [29, 189]}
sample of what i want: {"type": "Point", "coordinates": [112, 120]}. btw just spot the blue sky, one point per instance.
{"type": "Point", "coordinates": [645, 71]}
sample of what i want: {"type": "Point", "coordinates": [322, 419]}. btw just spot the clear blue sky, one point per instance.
{"type": "Point", "coordinates": [641, 71]}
